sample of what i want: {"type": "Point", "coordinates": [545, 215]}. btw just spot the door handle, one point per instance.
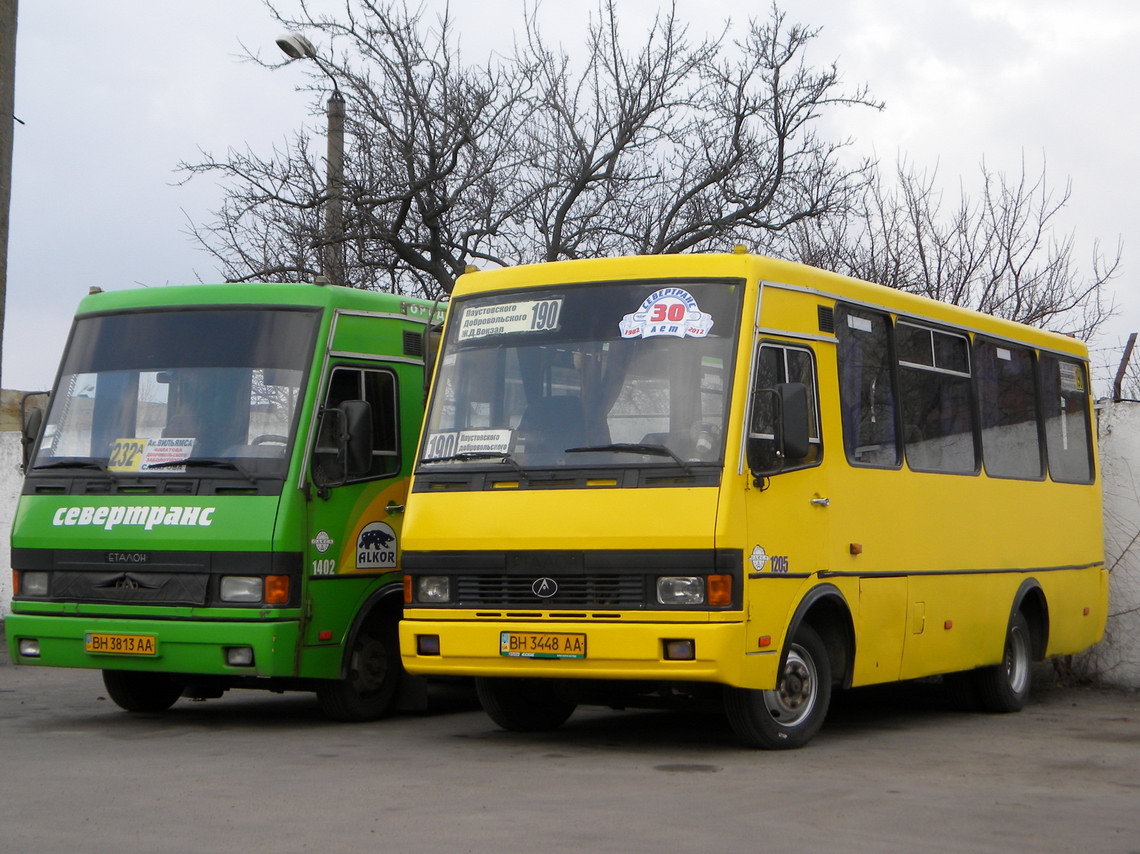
{"type": "Point", "coordinates": [393, 508]}
{"type": "Point", "coordinates": [821, 502]}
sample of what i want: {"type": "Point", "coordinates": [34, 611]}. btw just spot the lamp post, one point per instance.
{"type": "Point", "coordinates": [296, 46]}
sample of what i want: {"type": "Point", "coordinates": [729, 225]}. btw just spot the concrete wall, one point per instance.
{"type": "Point", "coordinates": [11, 479]}
{"type": "Point", "coordinates": [1116, 660]}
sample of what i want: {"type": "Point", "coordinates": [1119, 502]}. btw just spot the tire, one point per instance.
{"type": "Point", "coordinates": [1004, 687]}
{"type": "Point", "coordinates": [788, 716]}
{"type": "Point", "coordinates": [373, 676]}
{"type": "Point", "coordinates": [525, 705]}
{"type": "Point", "coordinates": [142, 692]}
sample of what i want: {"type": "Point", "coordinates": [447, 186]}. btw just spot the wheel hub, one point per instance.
{"type": "Point", "coordinates": [795, 696]}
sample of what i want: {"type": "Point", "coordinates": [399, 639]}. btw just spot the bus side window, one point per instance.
{"type": "Point", "coordinates": [777, 364]}
{"type": "Point", "coordinates": [1065, 401]}
{"type": "Point", "coordinates": [1007, 410]}
{"type": "Point", "coordinates": [936, 397]}
{"type": "Point", "coordinates": [866, 387]}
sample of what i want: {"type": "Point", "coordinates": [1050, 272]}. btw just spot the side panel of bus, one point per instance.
{"type": "Point", "coordinates": [930, 564]}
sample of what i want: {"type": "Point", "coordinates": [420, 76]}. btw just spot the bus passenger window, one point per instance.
{"type": "Point", "coordinates": [866, 388]}
{"type": "Point", "coordinates": [1065, 405]}
{"type": "Point", "coordinates": [935, 393]}
{"type": "Point", "coordinates": [1007, 410]}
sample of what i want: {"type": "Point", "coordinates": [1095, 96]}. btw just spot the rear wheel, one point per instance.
{"type": "Point", "coordinates": [374, 672]}
{"type": "Point", "coordinates": [792, 713]}
{"type": "Point", "coordinates": [1004, 687]}
{"type": "Point", "coordinates": [525, 705]}
{"type": "Point", "coordinates": [142, 692]}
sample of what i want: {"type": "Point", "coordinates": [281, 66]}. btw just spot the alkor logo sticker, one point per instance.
{"type": "Point", "coordinates": [147, 518]}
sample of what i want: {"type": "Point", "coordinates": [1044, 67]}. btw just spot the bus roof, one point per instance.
{"type": "Point", "coordinates": [758, 268]}
{"type": "Point", "coordinates": [300, 295]}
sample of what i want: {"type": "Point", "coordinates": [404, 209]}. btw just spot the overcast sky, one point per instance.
{"type": "Point", "coordinates": [114, 94]}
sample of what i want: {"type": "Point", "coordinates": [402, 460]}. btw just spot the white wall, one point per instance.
{"type": "Point", "coordinates": [1116, 660]}
{"type": "Point", "coordinates": [11, 480]}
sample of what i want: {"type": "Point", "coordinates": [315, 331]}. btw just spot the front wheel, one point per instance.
{"type": "Point", "coordinates": [1004, 687]}
{"type": "Point", "coordinates": [142, 692]}
{"type": "Point", "coordinates": [525, 705]}
{"type": "Point", "coordinates": [369, 687]}
{"type": "Point", "coordinates": [792, 713]}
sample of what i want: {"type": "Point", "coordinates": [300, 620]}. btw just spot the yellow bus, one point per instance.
{"type": "Point", "coordinates": [733, 477]}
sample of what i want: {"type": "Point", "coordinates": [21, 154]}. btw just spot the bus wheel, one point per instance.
{"type": "Point", "coordinates": [374, 671]}
{"type": "Point", "coordinates": [791, 714]}
{"type": "Point", "coordinates": [142, 692]}
{"type": "Point", "coordinates": [1004, 687]}
{"type": "Point", "coordinates": [525, 705]}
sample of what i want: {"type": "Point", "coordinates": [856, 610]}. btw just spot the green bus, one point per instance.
{"type": "Point", "coordinates": [214, 497]}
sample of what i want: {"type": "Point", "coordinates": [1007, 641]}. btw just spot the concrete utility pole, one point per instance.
{"type": "Point", "coordinates": [1118, 382]}
{"type": "Point", "coordinates": [334, 189]}
{"type": "Point", "coordinates": [7, 120]}
{"type": "Point", "coordinates": [296, 46]}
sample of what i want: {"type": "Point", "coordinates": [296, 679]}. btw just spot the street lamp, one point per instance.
{"type": "Point", "coordinates": [296, 46]}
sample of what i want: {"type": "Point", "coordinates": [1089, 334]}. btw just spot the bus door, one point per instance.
{"type": "Point", "coordinates": [355, 513]}
{"type": "Point", "coordinates": [786, 501]}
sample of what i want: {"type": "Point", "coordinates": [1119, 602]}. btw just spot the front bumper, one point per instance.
{"type": "Point", "coordinates": [626, 651]}
{"type": "Point", "coordinates": [182, 646]}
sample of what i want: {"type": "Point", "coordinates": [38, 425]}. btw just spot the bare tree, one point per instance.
{"type": "Point", "coordinates": [431, 144]}
{"type": "Point", "coordinates": [666, 146]}
{"type": "Point", "coordinates": [676, 145]}
{"type": "Point", "coordinates": [998, 253]}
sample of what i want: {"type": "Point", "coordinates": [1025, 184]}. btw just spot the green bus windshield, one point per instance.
{"type": "Point", "coordinates": [139, 391]}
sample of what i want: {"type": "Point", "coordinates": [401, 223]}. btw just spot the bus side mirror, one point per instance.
{"type": "Point", "coordinates": [794, 420]}
{"type": "Point", "coordinates": [358, 436]}
{"type": "Point", "coordinates": [782, 434]}
{"type": "Point", "coordinates": [433, 337]}
{"type": "Point", "coordinates": [33, 421]}
{"type": "Point", "coordinates": [344, 444]}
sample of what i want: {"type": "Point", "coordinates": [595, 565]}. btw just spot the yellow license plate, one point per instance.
{"type": "Point", "coordinates": [120, 644]}
{"type": "Point", "coordinates": [542, 645]}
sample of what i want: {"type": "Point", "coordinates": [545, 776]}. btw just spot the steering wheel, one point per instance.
{"type": "Point", "coordinates": [269, 437]}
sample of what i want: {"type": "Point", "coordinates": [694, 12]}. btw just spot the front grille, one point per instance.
{"type": "Point", "coordinates": [577, 591]}
{"type": "Point", "coordinates": [149, 588]}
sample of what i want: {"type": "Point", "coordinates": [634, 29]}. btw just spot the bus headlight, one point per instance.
{"type": "Point", "coordinates": [681, 590]}
{"type": "Point", "coordinates": [433, 588]}
{"type": "Point", "coordinates": [241, 588]}
{"type": "Point", "coordinates": [33, 584]}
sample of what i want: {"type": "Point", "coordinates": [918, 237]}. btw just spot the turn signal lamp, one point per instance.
{"type": "Point", "coordinates": [277, 589]}
{"type": "Point", "coordinates": [720, 590]}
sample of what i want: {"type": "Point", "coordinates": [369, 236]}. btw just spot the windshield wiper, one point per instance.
{"type": "Point", "coordinates": [204, 462]}
{"type": "Point", "coordinates": [634, 448]}
{"type": "Point", "coordinates": [467, 456]}
{"type": "Point", "coordinates": [72, 464]}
